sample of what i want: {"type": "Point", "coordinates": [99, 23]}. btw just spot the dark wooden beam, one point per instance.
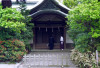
{"type": "Point", "coordinates": [64, 37]}
{"type": "Point", "coordinates": [48, 27]}
{"type": "Point", "coordinates": [51, 22]}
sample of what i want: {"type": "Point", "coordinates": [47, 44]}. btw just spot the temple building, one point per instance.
{"type": "Point", "coordinates": [48, 17]}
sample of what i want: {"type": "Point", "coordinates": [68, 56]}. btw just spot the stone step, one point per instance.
{"type": "Point", "coordinates": [44, 46]}
{"type": "Point", "coordinates": [54, 50]}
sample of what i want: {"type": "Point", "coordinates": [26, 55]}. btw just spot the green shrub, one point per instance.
{"type": "Point", "coordinates": [7, 33]}
{"type": "Point", "coordinates": [12, 50]}
{"type": "Point", "coordinates": [84, 60]}
{"type": "Point", "coordinates": [98, 48]}
{"type": "Point", "coordinates": [99, 63]}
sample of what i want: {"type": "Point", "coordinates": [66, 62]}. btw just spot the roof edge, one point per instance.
{"type": "Point", "coordinates": [52, 11]}
{"type": "Point", "coordinates": [56, 2]}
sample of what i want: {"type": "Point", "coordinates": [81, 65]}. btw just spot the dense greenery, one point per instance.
{"type": "Point", "coordinates": [12, 28]}
{"type": "Point", "coordinates": [12, 50]}
{"type": "Point", "coordinates": [28, 34]}
{"type": "Point", "coordinates": [73, 3]}
{"type": "Point", "coordinates": [83, 22]}
{"type": "Point", "coordinates": [84, 60]}
{"type": "Point", "coordinates": [11, 18]}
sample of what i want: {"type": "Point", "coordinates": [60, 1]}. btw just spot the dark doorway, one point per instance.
{"type": "Point", "coordinates": [43, 34]}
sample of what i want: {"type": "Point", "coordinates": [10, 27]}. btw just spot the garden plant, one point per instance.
{"type": "Point", "coordinates": [12, 50]}
{"type": "Point", "coordinates": [83, 24]}
{"type": "Point", "coordinates": [12, 29]}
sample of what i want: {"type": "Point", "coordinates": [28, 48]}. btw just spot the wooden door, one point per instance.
{"type": "Point", "coordinates": [43, 35]}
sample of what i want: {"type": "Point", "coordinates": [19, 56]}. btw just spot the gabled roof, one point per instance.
{"type": "Point", "coordinates": [46, 11]}
{"type": "Point", "coordinates": [49, 6]}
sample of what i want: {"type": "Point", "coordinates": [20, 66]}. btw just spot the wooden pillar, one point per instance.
{"type": "Point", "coordinates": [34, 38]}
{"type": "Point", "coordinates": [64, 37]}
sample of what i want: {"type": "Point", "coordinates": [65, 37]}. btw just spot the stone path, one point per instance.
{"type": "Point", "coordinates": [48, 60]}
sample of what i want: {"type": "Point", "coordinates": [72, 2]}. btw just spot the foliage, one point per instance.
{"type": "Point", "coordinates": [73, 3]}
{"type": "Point", "coordinates": [11, 18]}
{"type": "Point", "coordinates": [98, 63]}
{"type": "Point", "coordinates": [81, 42]}
{"type": "Point", "coordinates": [6, 33]}
{"type": "Point", "coordinates": [10, 33]}
{"type": "Point", "coordinates": [84, 60]}
{"type": "Point", "coordinates": [83, 22]}
{"type": "Point", "coordinates": [28, 34]}
{"type": "Point", "coordinates": [98, 48]}
{"type": "Point", "coordinates": [25, 36]}
{"type": "Point", "coordinates": [12, 50]}
{"type": "Point", "coordinates": [25, 12]}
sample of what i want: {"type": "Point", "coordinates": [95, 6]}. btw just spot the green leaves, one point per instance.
{"type": "Point", "coordinates": [84, 60]}
{"type": "Point", "coordinates": [12, 50]}
{"type": "Point", "coordinates": [10, 18]}
{"type": "Point", "coordinates": [86, 14]}
{"type": "Point", "coordinates": [85, 18]}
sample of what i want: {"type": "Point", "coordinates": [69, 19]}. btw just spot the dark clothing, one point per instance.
{"type": "Point", "coordinates": [61, 45]}
{"type": "Point", "coordinates": [51, 43]}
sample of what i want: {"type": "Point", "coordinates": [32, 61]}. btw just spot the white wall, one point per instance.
{"type": "Point", "coordinates": [30, 41]}
{"type": "Point", "coordinates": [68, 39]}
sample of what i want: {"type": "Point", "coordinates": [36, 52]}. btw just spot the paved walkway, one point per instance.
{"type": "Point", "coordinates": [6, 65]}
{"type": "Point", "coordinates": [48, 59]}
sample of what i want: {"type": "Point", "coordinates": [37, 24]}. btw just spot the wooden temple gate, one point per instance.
{"type": "Point", "coordinates": [44, 29]}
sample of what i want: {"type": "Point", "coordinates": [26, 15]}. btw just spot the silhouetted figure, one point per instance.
{"type": "Point", "coordinates": [51, 42]}
{"type": "Point", "coordinates": [61, 43]}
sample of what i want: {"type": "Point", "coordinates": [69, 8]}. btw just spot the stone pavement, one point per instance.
{"type": "Point", "coordinates": [2, 65]}
{"type": "Point", "coordinates": [41, 62]}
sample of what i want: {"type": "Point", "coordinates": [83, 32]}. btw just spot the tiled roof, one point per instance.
{"type": "Point", "coordinates": [52, 11]}
{"type": "Point", "coordinates": [49, 4]}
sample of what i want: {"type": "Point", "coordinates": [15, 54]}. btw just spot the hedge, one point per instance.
{"type": "Point", "coordinates": [12, 50]}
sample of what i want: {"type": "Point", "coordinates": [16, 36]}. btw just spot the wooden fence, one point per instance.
{"type": "Point", "coordinates": [46, 60]}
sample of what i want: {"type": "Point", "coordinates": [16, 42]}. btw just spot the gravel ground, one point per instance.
{"type": "Point", "coordinates": [48, 60]}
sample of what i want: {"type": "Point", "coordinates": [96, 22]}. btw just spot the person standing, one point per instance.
{"type": "Point", "coordinates": [61, 43]}
{"type": "Point", "coordinates": [51, 42]}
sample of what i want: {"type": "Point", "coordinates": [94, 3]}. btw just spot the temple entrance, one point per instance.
{"type": "Point", "coordinates": [45, 26]}
{"type": "Point", "coordinates": [49, 18]}
{"type": "Point", "coordinates": [43, 34]}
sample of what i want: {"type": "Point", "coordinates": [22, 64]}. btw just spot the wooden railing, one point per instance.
{"type": "Point", "coordinates": [44, 60]}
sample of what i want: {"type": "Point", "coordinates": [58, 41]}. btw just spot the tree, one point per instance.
{"type": "Point", "coordinates": [28, 34]}
{"type": "Point", "coordinates": [83, 22]}
{"type": "Point", "coordinates": [73, 3]}
{"type": "Point", "coordinates": [11, 18]}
